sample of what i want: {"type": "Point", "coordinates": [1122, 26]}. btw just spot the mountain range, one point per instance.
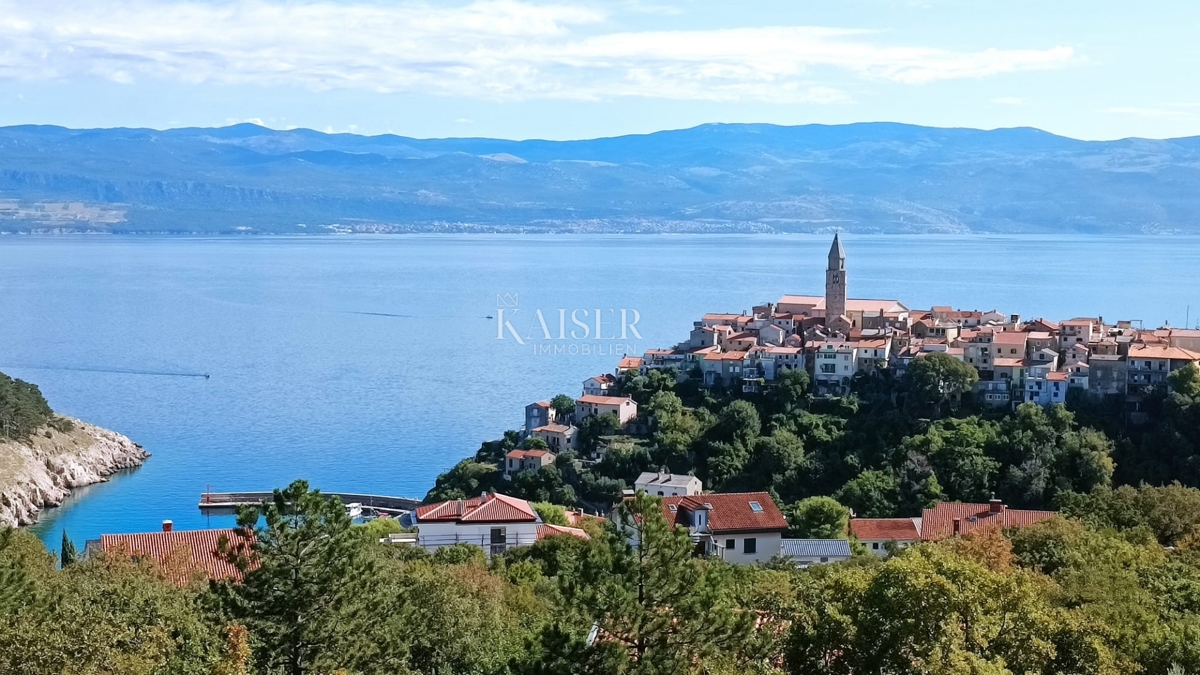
{"type": "Point", "coordinates": [869, 177]}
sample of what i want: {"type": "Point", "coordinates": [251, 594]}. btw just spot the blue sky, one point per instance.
{"type": "Point", "coordinates": [582, 69]}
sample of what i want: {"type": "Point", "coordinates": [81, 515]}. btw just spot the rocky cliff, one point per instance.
{"type": "Point", "coordinates": [41, 471]}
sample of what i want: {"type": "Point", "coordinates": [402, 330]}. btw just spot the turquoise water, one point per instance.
{"type": "Point", "coordinates": [368, 364]}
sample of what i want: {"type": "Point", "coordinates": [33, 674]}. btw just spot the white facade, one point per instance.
{"type": "Point", "coordinates": [668, 484]}
{"type": "Point", "coordinates": [493, 538]}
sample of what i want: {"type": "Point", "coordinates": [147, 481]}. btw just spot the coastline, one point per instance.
{"type": "Point", "coordinates": [42, 471]}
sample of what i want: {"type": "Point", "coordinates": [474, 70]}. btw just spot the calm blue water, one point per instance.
{"type": "Point", "coordinates": [367, 364]}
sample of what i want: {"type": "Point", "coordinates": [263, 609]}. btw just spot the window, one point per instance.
{"type": "Point", "coordinates": [749, 545]}
{"type": "Point", "coordinates": [731, 544]}
{"type": "Point", "coordinates": [875, 545]}
{"type": "Point", "coordinates": [824, 559]}
{"type": "Point", "coordinates": [756, 507]}
{"type": "Point", "coordinates": [670, 506]}
{"type": "Point", "coordinates": [499, 535]}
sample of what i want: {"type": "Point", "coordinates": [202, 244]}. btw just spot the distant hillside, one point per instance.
{"type": "Point", "coordinates": [877, 177]}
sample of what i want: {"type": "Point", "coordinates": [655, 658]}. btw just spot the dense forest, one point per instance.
{"type": "Point", "coordinates": [1097, 595]}
{"type": "Point", "coordinates": [893, 447]}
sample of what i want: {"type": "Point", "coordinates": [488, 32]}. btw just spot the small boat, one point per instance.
{"type": "Point", "coordinates": [354, 510]}
{"type": "Point", "coordinates": [488, 316]}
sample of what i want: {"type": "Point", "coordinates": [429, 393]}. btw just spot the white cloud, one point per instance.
{"type": "Point", "coordinates": [1009, 100]}
{"type": "Point", "coordinates": [495, 49]}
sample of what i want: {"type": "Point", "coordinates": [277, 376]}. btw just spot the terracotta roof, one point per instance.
{"type": "Point", "coordinates": [1161, 352]}
{"type": "Point", "coordinates": [852, 304]}
{"type": "Point", "coordinates": [1009, 337]}
{"type": "Point", "coordinates": [542, 404]}
{"type": "Point", "coordinates": [938, 522]}
{"type": "Point", "coordinates": [605, 378]}
{"type": "Point", "coordinates": [522, 454]}
{"type": "Point", "coordinates": [630, 362]}
{"type": "Point", "coordinates": [553, 429]}
{"type": "Point", "coordinates": [1057, 376]}
{"type": "Point", "coordinates": [185, 553]}
{"type": "Point", "coordinates": [492, 508]}
{"type": "Point", "coordinates": [885, 529]}
{"type": "Point", "coordinates": [545, 530]}
{"type": "Point", "coordinates": [603, 400]}
{"type": "Point", "coordinates": [729, 512]}
{"type": "Point", "coordinates": [1008, 363]}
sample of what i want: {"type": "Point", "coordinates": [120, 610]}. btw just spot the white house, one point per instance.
{"type": "Point", "coordinates": [875, 533]}
{"type": "Point", "coordinates": [493, 522]}
{"type": "Point", "coordinates": [663, 484]}
{"type": "Point", "coordinates": [600, 385]}
{"type": "Point", "coordinates": [517, 461]}
{"type": "Point", "coordinates": [624, 407]}
{"type": "Point", "coordinates": [558, 437]}
{"type": "Point", "coordinates": [740, 528]}
{"type": "Point", "coordinates": [834, 364]}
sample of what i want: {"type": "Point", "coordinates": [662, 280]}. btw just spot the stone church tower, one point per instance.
{"type": "Point", "coordinates": [835, 282]}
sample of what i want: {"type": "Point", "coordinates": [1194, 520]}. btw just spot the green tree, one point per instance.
{"type": "Point", "coordinates": [819, 518]}
{"type": "Point", "coordinates": [308, 586]}
{"type": "Point", "coordinates": [937, 379]}
{"type": "Point", "coordinates": [872, 494]}
{"type": "Point", "coordinates": [564, 407]}
{"type": "Point", "coordinates": [466, 479]}
{"type": "Point", "coordinates": [68, 555]}
{"type": "Point", "coordinates": [22, 408]}
{"type": "Point", "coordinates": [792, 391]}
{"type": "Point", "coordinates": [664, 610]}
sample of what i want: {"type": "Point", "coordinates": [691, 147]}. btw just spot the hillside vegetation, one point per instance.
{"type": "Point", "coordinates": [319, 596]}
{"type": "Point", "coordinates": [877, 177]}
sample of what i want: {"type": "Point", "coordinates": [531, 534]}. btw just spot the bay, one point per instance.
{"type": "Point", "coordinates": [369, 364]}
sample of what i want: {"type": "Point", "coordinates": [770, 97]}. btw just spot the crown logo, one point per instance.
{"type": "Point", "coordinates": [506, 299]}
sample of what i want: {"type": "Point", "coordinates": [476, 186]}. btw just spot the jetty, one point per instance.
{"type": "Point", "coordinates": [230, 501]}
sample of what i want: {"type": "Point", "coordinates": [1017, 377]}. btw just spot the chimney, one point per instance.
{"type": "Point", "coordinates": [957, 526]}
{"type": "Point", "coordinates": [995, 505]}
{"type": "Point", "coordinates": [168, 526]}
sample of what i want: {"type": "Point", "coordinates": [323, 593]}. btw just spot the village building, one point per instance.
{"type": "Point", "coordinates": [943, 521]}
{"type": "Point", "coordinates": [807, 552]}
{"type": "Point", "coordinates": [185, 555]}
{"type": "Point", "coordinates": [537, 415]}
{"type": "Point", "coordinates": [558, 437]}
{"type": "Point", "coordinates": [520, 461]}
{"type": "Point", "coordinates": [877, 533]}
{"type": "Point", "coordinates": [493, 522]}
{"type": "Point", "coordinates": [600, 385]}
{"type": "Point", "coordinates": [1149, 365]}
{"type": "Point", "coordinates": [662, 484]}
{"type": "Point", "coordinates": [739, 528]}
{"type": "Point", "coordinates": [622, 406]}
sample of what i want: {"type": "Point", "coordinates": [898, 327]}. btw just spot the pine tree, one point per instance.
{"type": "Point", "coordinates": [649, 595]}
{"type": "Point", "coordinates": [307, 586]}
{"type": "Point", "coordinates": [68, 554]}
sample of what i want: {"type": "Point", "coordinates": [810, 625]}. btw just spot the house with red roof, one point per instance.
{"type": "Point", "coordinates": [604, 384]}
{"type": "Point", "coordinates": [875, 533]}
{"type": "Point", "coordinates": [518, 461]}
{"type": "Point", "coordinates": [622, 406]}
{"type": "Point", "coordinates": [944, 520]}
{"type": "Point", "coordinates": [185, 555]}
{"type": "Point", "coordinates": [740, 528]}
{"type": "Point", "coordinates": [493, 522]}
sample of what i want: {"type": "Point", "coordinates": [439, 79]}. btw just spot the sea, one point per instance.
{"type": "Point", "coordinates": [371, 364]}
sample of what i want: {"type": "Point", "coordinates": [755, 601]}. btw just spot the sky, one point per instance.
{"type": "Point", "coordinates": [570, 69]}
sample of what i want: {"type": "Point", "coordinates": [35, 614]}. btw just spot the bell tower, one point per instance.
{"type": "Point", "coordinates": [835, 281]}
